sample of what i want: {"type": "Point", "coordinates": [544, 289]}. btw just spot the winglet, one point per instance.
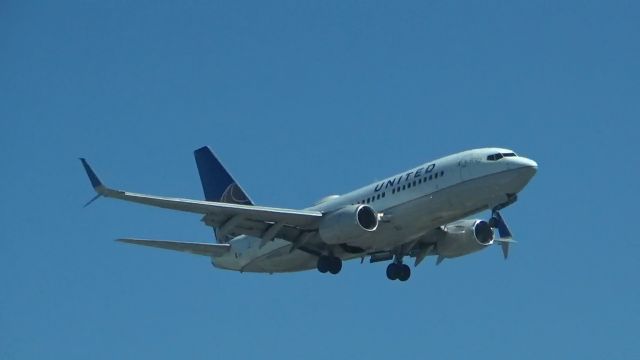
{"type": "Point", "coordinates": [505, 234]}
{"type": "Point", "coordinates": [95, 182]}
{"type": "Point", "coordinates": [92, 200]}
{"type": "Point", "coordinates": [504, 243]}
{"type": "Point", "coordinates": [503, 229]}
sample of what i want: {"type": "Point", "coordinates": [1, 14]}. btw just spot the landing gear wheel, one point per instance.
{"type": "Point", "coordinates": [392, 273]}
{"type": "Point", "coordinates": [404, 272]}
{"type": "Point", "coordinates": [323, 264]}
{"type": "Point", "coordinates": [397, 271]}
{"type": "Point", "coordinates": [332, 264]}
{"type": "Point", "coordinates": [335, 264]}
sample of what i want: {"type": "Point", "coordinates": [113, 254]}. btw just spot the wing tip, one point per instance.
{"type": "Point", "coordinates": [93, 178]}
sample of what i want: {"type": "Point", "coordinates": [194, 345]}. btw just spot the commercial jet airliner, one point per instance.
{"type": "Point", "coordinates": [417, 213]}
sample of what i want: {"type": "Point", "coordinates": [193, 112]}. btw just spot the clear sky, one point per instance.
{"type": "Point", "coordinates": [302, 100]}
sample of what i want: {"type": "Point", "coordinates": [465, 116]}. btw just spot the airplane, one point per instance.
{"type": "Point", "coordinates": [417, 213]}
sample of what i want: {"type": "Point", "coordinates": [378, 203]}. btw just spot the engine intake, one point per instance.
{"type": "Point", "coordinates": [483, 233]}
{"type": "Point", "coordinates": [348, 224]}
{"type": "Point", "coordinates": [465, 237]}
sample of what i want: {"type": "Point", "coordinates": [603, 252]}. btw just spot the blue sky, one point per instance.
{"type": "Point", "coordinates": [301, 100]}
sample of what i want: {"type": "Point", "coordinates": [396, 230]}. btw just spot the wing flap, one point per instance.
{"type": "Point", "coordinates": [206, 249]}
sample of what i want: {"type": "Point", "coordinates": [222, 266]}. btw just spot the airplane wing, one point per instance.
{"type": "Point", "coordinates": [214, 250]}
{"type": "Point", "coordinates": [260, 221]}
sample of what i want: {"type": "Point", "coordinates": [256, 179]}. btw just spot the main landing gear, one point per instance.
{"type": "Point", "coordinates": [332, 264]}
{"type": "Point", "coordinates": [398, 271]}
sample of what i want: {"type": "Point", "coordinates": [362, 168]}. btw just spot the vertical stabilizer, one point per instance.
{"type": "Point", "coordinates": [217, 183]}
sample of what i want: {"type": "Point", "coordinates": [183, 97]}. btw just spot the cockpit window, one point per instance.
{"type": "Point", "coordinates": [498, 156]}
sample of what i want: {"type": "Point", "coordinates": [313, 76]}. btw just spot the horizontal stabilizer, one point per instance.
{"type": "Point", "coordinates": [214, 250]}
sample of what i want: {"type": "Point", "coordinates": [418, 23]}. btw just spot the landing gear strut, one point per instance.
{"type": "Point", "coordinates": [332, 264]}
{"type": "Point", "coordinates": [398, 271]}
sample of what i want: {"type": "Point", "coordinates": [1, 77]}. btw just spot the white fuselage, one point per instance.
{"type": "Point", "coordinates": [410, 205]}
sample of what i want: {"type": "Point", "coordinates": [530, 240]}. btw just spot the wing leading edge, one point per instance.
{"type": "Point", "coordinates": [231, 216]}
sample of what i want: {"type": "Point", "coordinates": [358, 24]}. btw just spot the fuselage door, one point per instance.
{"type": "Point", "coordinates": [466, 168]}
{"type": "Point", "coordinates": [463, 164]}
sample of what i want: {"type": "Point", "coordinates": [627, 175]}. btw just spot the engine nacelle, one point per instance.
{"type": "Point", "coordinates": [348, 224]}
{"type": "Point", "coordinates": [464, 237]}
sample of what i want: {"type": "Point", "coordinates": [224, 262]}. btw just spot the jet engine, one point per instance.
{"type": "Point", "coordinates": [347, 224]}
{"type": "Point", "coordinates": [464, 237]}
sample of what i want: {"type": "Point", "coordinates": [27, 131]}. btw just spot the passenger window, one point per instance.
{"type": "Point", "coordinates": [441, 173]}
{"type": "Point", "coordinates": [378, 197]}
{"type": "Point", "coordinates": [414, 183]}
{"type": "Point", "coordinates": [436, 175]}
{"type": "Point", "coordinates": [393, 191]}
{"type": "Point", "coordinates": [383, 194]}
{"type": "Point", "coordinates": [408, 185]}
{"type": "Point", "coordinates": [403, 187]}
{"type": "Point", "coordinates": [368, 200]}
{"type": "Point", "coordinates": [430, 177]}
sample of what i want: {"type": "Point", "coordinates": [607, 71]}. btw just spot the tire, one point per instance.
{"type": "Point", "coordinates": [404, 273]}
{"type": "Point", "coordinates": [335, 265]}
{"type": "Point", "coordinates": [392, 271]}
{"type": "Point", "coordinates": [323, 264]}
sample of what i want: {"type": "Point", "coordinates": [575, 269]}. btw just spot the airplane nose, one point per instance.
{"type": "Point", "coordinates": [528, 166]}
{"type": "Point", "coordinates": [530, 163]}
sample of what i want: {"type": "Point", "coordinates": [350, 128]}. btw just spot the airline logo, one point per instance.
{"type": "Point", "coordinates": [423, 171]}
{"type": "Point", "coordinates": [234, 195]}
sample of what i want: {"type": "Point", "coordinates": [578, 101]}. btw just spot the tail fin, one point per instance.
{"type": "Point", "coordinates": [217, 183]}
